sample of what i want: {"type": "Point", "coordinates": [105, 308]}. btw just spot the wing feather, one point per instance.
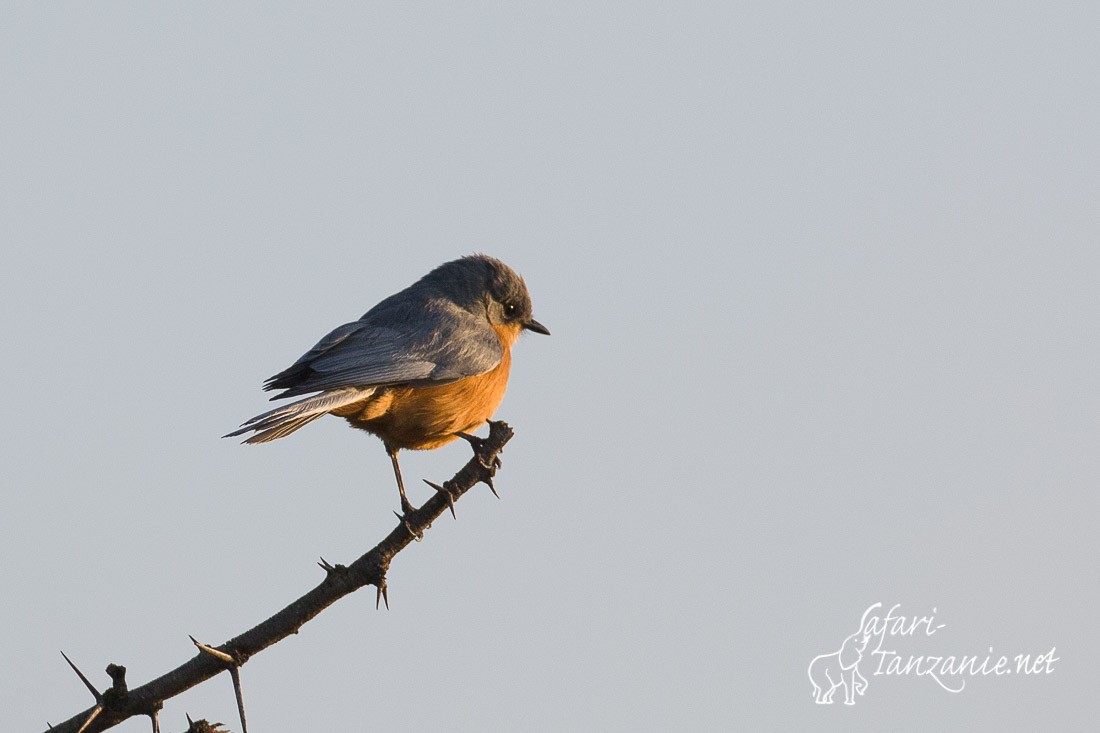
{"type": "Point", "coordinates": [431, 345]}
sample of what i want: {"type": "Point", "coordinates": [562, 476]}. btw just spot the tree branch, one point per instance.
{"type": "Point", "coordinates": [370, 569]}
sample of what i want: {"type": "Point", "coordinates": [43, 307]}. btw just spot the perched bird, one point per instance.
{"type": "Point", "coordinates": [420, 368]}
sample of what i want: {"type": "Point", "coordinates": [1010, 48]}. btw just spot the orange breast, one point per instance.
{"type": "Point", "coordinates": [428, 417]}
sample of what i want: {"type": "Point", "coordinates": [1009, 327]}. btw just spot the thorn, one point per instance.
{"type": "Point", "coordinates": [382, 595]}
{"type": "Point", "coordinates": [235, 673]}
{"type": "Point", "coordinates": [488, 480]}
{"type": "Point", "coordinates": [202, 726]}
{"type": "Point", "coordinates": [447, 493]}
{"type": "Point", "coordinates": [91, 688]}
{"type": "Point", "coordinates": [93, 716]}
{"type": "Point", "coordinates": [329, 568]}
{"type": "Point", "coordinates": [216, 653]}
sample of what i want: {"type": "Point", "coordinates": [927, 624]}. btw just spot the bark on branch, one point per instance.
{"type": "Point", "coordinates": [118, 703]}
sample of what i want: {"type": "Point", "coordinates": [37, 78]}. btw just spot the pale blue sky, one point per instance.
{"type": "Point", "coordinates": [822, 281]}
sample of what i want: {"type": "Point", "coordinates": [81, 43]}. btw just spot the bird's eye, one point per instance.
{"type": "Point", "coordinates": [510, 309]}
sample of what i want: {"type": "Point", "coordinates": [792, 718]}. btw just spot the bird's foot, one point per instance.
{"type": "Point", "coordinates": [407, 510]}
{"type": "Point", "coordinates": [484, 457]}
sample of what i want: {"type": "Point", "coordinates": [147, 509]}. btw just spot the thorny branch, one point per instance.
{"type": "Point", "coordinates": [119, 703]}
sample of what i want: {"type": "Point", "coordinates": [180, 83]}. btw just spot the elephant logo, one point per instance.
{"type": "Point", "coordinates": [841, 668]}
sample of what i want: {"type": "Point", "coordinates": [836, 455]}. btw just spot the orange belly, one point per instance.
{"type": "Point", "coordinates": [420, 418]}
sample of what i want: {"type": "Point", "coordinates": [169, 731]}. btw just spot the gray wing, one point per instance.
{"type": "Point", "coordinates": [438, 344]}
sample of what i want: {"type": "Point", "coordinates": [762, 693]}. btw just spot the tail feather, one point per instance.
{"type": "Point", "coordinates": [286, 419]}
{"type": "Point", "coordinates": [281, 429]}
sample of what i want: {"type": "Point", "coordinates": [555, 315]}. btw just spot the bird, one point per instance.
{"type": "Point", "coordinates": [425, 366]}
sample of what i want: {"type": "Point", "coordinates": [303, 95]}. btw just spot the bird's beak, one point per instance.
{"type": "Point", "coordinates": [533, 325]}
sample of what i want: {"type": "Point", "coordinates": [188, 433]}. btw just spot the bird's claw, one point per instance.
{"type": "Point", "coordinates": [405, 521]}
{"type": "Point", "coordinates": [478, 444]}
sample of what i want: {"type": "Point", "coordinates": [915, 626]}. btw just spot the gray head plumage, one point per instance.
{"type": "Point", "coordinates": [477, 282]}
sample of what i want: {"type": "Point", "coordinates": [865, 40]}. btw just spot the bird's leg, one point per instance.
{"type": "Point", "coordinates": [406, 506]}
